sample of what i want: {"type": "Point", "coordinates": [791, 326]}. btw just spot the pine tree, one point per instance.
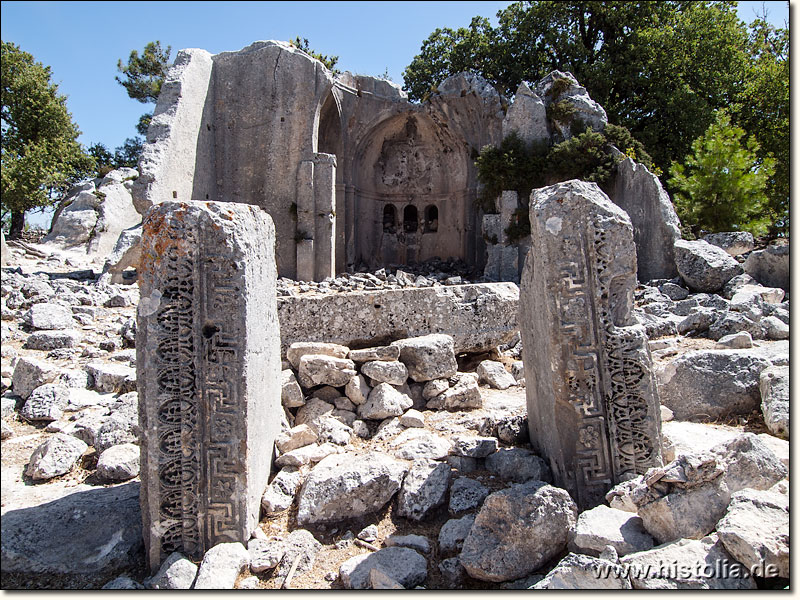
{"type": "Point", "coordinates": [722, 185]}
{"type": "Point", "coordinates": [41, 156]}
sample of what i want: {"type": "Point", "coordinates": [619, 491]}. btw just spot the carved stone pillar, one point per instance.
{"type": "Point", "coordinates": [304, 235]}
{"type": "Point", "coordinates": [324, 216]}
{"type": "Point", "coordinates": [208, 371]}
{"type": "Point", "coordinates": [593, 408]}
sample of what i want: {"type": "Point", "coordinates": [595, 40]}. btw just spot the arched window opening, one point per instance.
{"type": "Point", "coordinates": [389, 218]}
{"type": "Point", "coordinates": [410, 219]}
{"type": "Point", "coordinates": [431, 219]}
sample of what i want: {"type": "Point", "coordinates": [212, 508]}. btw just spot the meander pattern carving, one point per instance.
{"type": "Point", "coordinates": [605, 380]}
{"type": "Point", "coordinates": [199, 458]}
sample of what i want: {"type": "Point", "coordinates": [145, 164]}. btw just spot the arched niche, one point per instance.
{"type": "Point", "coordinates": [410, 162]}
{"type": "Point", "coordinates": [329, 132]}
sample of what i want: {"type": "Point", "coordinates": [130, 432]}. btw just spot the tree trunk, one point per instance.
{"type": "Point", "coordinates": [17, 225]}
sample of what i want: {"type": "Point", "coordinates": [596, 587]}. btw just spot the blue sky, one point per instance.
{"type": "Point", "coordinates": [82, 41]}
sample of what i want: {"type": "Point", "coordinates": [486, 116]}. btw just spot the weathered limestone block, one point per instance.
{"type": "Point", "coordinates": [479, 317]}
{"type": "Point", "coordinates": [656, 227]}
{"type": "Point", "coordinates": [593, 408]}
{"type": "Point", "coordinates": [585, 109]}
{"type": "Point", "coordinates": [209, 369]}
{"type": "Point", "coordinates": [176, 161]}
{"type": "Point", "coordinates": [770, 266]}
{"type": "Point", "coordinates": [527, 116]}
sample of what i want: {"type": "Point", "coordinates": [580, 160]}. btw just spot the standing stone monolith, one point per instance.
{"type": "Point", "coordinates": [208, 361]}
{"type": "Point", "coordinates": [593, 407]}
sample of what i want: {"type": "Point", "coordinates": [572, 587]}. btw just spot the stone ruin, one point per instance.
{"type": "Point", "coordinates": [353, 174]}
{"type": "Point", "coordinates": [593, 407]}
{"type": "Point", "coordinates": [374, 181]}
{"type": "Point", "coordinates": [375, 406]}
{"type": "Point", "coordinates": [209, 395]}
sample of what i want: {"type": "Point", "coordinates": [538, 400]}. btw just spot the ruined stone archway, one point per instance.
{"type": "Point", "coordinates": [411, 163]}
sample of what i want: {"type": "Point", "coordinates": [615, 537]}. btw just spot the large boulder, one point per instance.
{"type": "Point", "coordinates": [581, 572]}
{"type": "Point", "coordinates": [384, 401]}
{"type": "Point", "coordinates": [428, 357]}
{"type": "Point", "coordinates": [518, 465]}
{"type": "Point", "coordinates": [343, 486]}
{"type": "Point", "coordinates": [687, 564]}
{"type": "Point", "coordinates": [49, 317]}
{"type": "Point", "coordinates": [221, 566]}
{"type": "Point", "coordinates": [91, 534]}
{"type": "Point", "coordinates": [705, 268]}
{"type": "Point", "coordinates": [517, 531]}
{"type": "Point", "coordinates": [748, 463]}
{"type": "Point", "coordinates": [55, 456]}
{"type": "Point", "coordinates": [774, 388]}
{"type": "Point", "coordinates": [755, 530]}
{"type": "Point", "coordinates": [656, 227]}
{"type": "Point", "coordinates": [424, 489]}
{"type": "Point", "coordinates": [75, 219]}
{"type": "Point", "coordinates": [683, 499]}
{"type": "Point", "coordinates": [404, 565]}
{"type": "Point", "coordinates": [709, 384]}
{"type": "Point", "coordinates": [561, 87]}
{"type": "Point", "coordinates": [734, 243]}
{"type": "Point", "coordinates": [527, 116]}
{"type": "Point", "coordinates": [604, 526]}
{"type": "Point", "coordinates": [770, 266]}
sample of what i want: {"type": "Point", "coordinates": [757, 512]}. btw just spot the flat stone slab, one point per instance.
{"type": "Point", "coordinates": [479, 317]}
{"type": "Point", "coordinates": [92, 533]}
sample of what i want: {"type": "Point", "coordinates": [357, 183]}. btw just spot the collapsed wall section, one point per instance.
{"type": "Point", "coordinates": [178, 157]}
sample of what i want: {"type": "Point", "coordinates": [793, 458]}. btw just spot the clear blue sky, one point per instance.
{"type": "Point", "coordinates": [82, 41]}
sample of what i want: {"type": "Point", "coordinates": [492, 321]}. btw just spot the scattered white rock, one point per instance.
{"type": "Point", "coordinates": [494, 374]}
{"type": "Point", "coordinates": [348, 485]}
{"type": "Point", "coordinates": [755, 531]}
{"type": "Point", "coordinates": [221, 566]}
{"type": "Point", "coordinates": [604, 526]}
{"type": "Point", "coordinates": [424, 489]}
{"type": "Point", "coordinates": [404, 565]}
{"type": "Point", "coordinates": [176, 573]}
{"type": "Point", "coordinates": [119, 463]}
{"type": "Point", "coordinates": [55, 456]}
{"type": "Point", "coordinates": [517, 531]}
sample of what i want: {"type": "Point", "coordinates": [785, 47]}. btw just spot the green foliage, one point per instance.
{"type": "Point", "coordinates": [126, 155]}
{"type": "Point", "coordinates": [521, 167]}
{"type": "Point", "coordinates": [622, 139]}
{"type": "Point", "coordinates": [144, 75]}
{"type": "Point", "coordinates": [762, 110]}
{"type": "Point", "coordinates": [586, 156]}
{"type": "Point", "coordinates": [520, 226]}
{"type": "Point", "coordinates": [328, 61]}
{"type": "Point", "coordinates": [722, 185]}
{"type": "Point", "coordinates": [514, 165]}
{"type": "Point", "coordinates": [560, 112]}
{"type": "Point", "coordinates": [661, 69]}
{"type": "Point", "coordinates": [143, 124]}
{"type": "Point", "coordinates": [41, 157]}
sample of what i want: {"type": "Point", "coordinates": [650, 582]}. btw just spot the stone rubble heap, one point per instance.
{"type": "Point", "coordinates": [431, 273]}
{"type": "Point", "coordinates": [403, 431]}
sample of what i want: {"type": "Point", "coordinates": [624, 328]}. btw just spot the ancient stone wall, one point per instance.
{"type": "Point", "coordinates": [177, 160]}
{"type": "Point", "coordinates": [593, 408]}
{"type": "Point", "coordinates": [479, 317]}
{"type": "Point", "coordinates": [208, 368]}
